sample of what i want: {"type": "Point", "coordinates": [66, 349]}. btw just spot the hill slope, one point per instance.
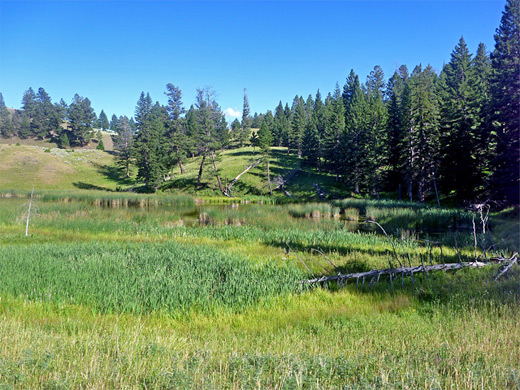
{"type": "Point", "coordinates": [23, 165]}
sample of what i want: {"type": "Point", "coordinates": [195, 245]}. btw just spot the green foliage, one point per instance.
{"type": "Point", "coordinates": [103, 121]}
{"type": "Point", "coordinates": [505, 114]}
{"type": "Point", "coordinates": [81, 120]}
{"type": "Point", "coordinates": [170, 278]}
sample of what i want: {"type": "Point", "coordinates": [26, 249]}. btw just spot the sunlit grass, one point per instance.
{"type": "Point", "coordinates": [153, 297]}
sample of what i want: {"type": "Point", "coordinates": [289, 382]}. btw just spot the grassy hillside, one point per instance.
{"type": "Point", "coordinates": [47, 167]}
{"type": "Point", "coordinates": [24, 163]}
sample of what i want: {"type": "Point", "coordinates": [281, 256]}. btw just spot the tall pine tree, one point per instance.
{"type": "Point", "coordinates": [505, 92]}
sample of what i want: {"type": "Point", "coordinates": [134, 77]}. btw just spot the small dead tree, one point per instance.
{"type": "Point", "coordinates": [29, 213]}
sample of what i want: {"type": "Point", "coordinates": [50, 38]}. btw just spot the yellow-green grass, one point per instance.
{"type": "Point", "coordinates": [25, 166]}
{"type": "Point", "coordinates": [49, 168]}
{"type": "Point", "coordinates": [445, 331]}
{"type": "Point", "coordinates": [233, 161]}
{"type": "Point", "coordinates": [319, 340]}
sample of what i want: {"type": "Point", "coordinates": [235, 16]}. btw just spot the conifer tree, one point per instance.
{"type": "Point", "coordinates": [81, 119]}
{"type": "Point", "coordinates": [395, 126]}
{"type": "Point", "coordinates": [298, 123]}
{"type": "Point", "coordinates": [6, 125]}
{"type": "Point", "coordinates": [420, 139]}
{"type": "Point", "coordinates": [281, 126]}
{"type": "Point", "coordinates": [246, 120]}
{"type": "Point", "coordinates": [103, 121]}
{"type": "Point", "coordinates": [311, 145]}
{"type": "Point", "coordinates": [208, 125]}
{"type": "Point", "coordinates": [484, 142]}
{"type": "Point", "coordinates": [124, 145]}
{"type": "Point", "coordinates": [375, 155]}
{"type": "Point", "coordinates": [355, 131]}
{"type": "Point", "coordinates": [459, 123]}
{"type": "Point", "coordinates": [150, 151]}
{"type": "Point", "coordinates": [113, 123]}
{"type": "Point", "coordinates": [235, 129]}
{"type": "Point", "coordinates": [505, 113]}
{"type": "Point", "coordinates": [177, 133]}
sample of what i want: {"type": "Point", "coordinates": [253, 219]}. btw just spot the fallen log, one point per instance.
{"type": "Point", "coordinates": [281, 181]}
{"type": "Point", "coordinates": [228, 188]}
{"type": "Point", "coordinates": [342, 279]}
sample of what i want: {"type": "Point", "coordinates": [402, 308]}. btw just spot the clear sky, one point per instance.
{"type": "Point", "coordinates": [110, 51]}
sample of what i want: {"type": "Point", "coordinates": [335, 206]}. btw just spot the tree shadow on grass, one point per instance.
{"type": "Point", "coordinates": [114, 174]}
{"type": "Point", "coordinates": [87, 186]}
{"type": "Point", "coordinates": [244, 153]}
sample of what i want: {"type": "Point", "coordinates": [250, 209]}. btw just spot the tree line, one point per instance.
{"type": "Point", "coordinates": [418, 134]}
{"type": "Point", "coordinates": [66, 124]}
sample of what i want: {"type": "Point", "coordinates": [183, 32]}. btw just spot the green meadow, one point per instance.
{"type": "Point", "coordinates": [135, 291]}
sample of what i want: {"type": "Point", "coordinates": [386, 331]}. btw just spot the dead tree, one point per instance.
{"type": "Point", "coordinates": [227, 190]}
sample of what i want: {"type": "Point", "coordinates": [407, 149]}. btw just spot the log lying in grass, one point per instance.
{"type": "Point", "coordinates": [374, 275]}
{"type": "Point", "coordinates": [228, 188]}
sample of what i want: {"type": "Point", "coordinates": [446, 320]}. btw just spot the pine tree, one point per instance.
{"type": "Point", "coordinates": [208, 117]}
{"type": "Point", "coordinates": [235, 129]}
{"type": "Point", "coordinates": [29, 111]}
{"type": "Point", "coordinates": [311, 145]}
{"type": "Point", "coordinates": [376, 147]}
{"type": "Point", "coordinates": [103, 121]}
{"type": "Point", "coordinates": [149, 146]}
{"type": "Point", "coordinates": [281, 126]}
{"type": "Point", "coordinates": [100, 145]}
{"type": "Point", "coordinates": [485, 146]}
{"type": "Point", "coordinates": [253, 140]}
{"type": "Point", "coordinates": [459, 121]}
{"type": "Point", "coordinates": [6, 125]}
{"type": "Point", "coordinates": [505, 92]}
{"type": "Point", "coordinates": [177, 133]}
{"type": "Point", "coordinates": [124, 145]}
{"type": "Point", "coordinates": [395, 126]}
{"type": "Point", "coordinates": [420, 140]}
{"type": "Point", "coordinates": [355, 131]}
{"type": "Point", "coordinates": [114, 123]}
{"type": "Point", "coordinates": [298, 123]}
{"type": "Point", "coordinates": [320, 120]}
{"type": "Point", "coordinates": [81, 119]}
{"type": "Point", "coordinates": [246, 121]}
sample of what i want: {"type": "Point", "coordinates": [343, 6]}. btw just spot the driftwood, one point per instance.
{"type": "Point", "coordinates": [228, 188]}
{"type": "Point", "coordinates": [513, 259]}
{"type": "Point", "coordinates": [374, 275]}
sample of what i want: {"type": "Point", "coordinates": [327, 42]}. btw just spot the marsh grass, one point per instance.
{"type": "Point", "coordinates": [128, 297]}
{"type": "Point", "coordinates": [168, 277]}
{"type": "Point", "coordinates": [313, 210]}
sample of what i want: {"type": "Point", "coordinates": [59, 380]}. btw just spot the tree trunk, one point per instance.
{"type": "Point", "coordinates": [228, 187]}
{"type": "Point", "coordinates": [436, 192]}
{"type": "Point", "coordinates": [127, 169]}
{"type": "Point", "coordinates": [199, 178]}
{"type": "Point", "coordinates": [220, 186]}
{"type": "Point", "coordinates": [181, 167]}
{"type": "Point", "coordinates": [269, 176]}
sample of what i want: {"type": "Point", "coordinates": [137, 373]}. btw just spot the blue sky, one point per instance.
{"type": "Point", "coordinates": [110, 51]}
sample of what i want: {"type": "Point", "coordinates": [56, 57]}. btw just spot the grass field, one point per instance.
{"type": "Point", "coordinates": [131, 297]}
{"type": "Point", "coordinates": [189, 289]}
